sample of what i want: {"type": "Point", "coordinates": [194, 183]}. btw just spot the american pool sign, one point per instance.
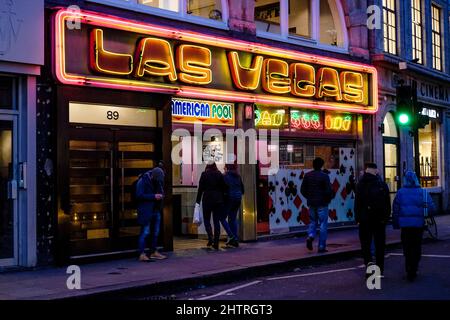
{"type": "Point", "coordinates": [206, 112]}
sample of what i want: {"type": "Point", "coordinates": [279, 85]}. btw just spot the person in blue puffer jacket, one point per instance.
{"type": "Point", "coordinates": [409, 215]}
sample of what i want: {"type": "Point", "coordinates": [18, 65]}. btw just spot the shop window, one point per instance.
{"type": "Point", "coordinates": [211, 9]}
{"type": "Point", "coordinates": [429, 154]}
{"type": "Point", "coordinates": [267, 16]}
{"type": "Point", "coordinates": [328, 23]}
{"type": "Point", "coordinates": [321, 21]}
{"type": "Point", "coordinates": [390, 129]}
{"type": "Point", "coordinates": [390, 26]}
{"type": "Point", "coordinates": [416, 14]}
{"type": "Point", "coordinates": [6, 93]}
{"type": "Point", "coordinates": [300, 18]}
{"type": "Point", "coordinates": [213, 13]}
{"type": "Point", "coordinates": [436, 39]}
{"type": "Point", "coordinates": [161, 4]}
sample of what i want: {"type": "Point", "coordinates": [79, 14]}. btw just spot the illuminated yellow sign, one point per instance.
{"type": "Point", "coordinates": [111, 52]}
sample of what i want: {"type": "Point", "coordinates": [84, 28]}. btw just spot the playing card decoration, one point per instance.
{"type": "Point", "coordinates": [289, 207]}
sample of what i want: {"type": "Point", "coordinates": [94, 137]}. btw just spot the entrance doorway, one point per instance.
{"type": "Point", "coordinates": [103, 164]}
{"type": "Point", "coordinates": [391, 155]}
{"type": "Point", "coordinates": [8, 191]}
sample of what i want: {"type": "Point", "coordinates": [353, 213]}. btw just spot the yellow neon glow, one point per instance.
{"type": "Point", "coordinates": [269, 119]}
{"type": "Point", "coordinates": [194, 62]}
{"type": "Point", "coordinates": [114, 63]}
{"type": "Point", "coordinates": [353, 86]}
{"type": "Point", "coordinates": [245, 78]}
{"type": "Point", "coordinates": [338, 123]}
{"type": "Point", "coordinates": [101, 20]}
{"type": "Point", "coordinates": [276, 76]}
{"type": "Point", "coordinates": [155, 57]}
{"type": "Point", "coordinates": [329, 85]}
{"type": "Point", "coordinates": [304, 80]}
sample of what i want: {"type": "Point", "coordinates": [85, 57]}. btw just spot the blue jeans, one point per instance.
{"type": "Point", "coordinates": [319, 215]}
{"type": "Point", "coordinates": [155, 220]}
{"type": "Point", "coordinates": [232, 212]}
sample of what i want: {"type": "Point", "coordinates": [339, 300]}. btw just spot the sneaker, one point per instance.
{"type": "Point", "coordinates": [232, 243]}
{"type": "Point", "coordinates": [143, 257]}
{"type": "Point", "coordinates": [157, 256]}
{"type": "Point", "coordinates": [309, 243]}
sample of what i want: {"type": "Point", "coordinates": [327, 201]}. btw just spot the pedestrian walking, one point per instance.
{"type": "Point", "coordinates": [372, 212]}
{"type": "Point", "coordinates": [149, 197]}
{"type": "Point", "coordinates": [211, 192]}
{"type": "Point", "coordinates": [411, 205]}
{"type": "Point", "coordinates": [316, 188]}
{"type": "Point", "coordinates": [233, 202]}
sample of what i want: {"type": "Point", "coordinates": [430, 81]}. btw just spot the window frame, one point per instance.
{"type": "Point", "coordinates": [439, 34]}
{"type": "Point", "coordinates": [182, 15]}
{"type": "Point", "coordinates": [314, 40]}
{"type": "Point", "coordinates": [417, 31]}
{"type": "Point", "coordinates": [386, 26]}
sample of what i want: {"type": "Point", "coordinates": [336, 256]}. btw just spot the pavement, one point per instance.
{"type": "Point", "coordinates": [342, 280]}
{"type": "Point", "coordinates": [185, 269]}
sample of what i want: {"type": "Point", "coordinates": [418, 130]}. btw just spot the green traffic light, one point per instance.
{"type": "Point", "coordinates": [403, 118]}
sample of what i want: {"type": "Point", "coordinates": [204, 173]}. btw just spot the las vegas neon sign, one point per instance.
{"type": "Point", "coordinates": [184, 64]}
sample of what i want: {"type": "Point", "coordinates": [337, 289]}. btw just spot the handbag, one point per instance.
{"type": "Point", "coordinates": [198, 219]}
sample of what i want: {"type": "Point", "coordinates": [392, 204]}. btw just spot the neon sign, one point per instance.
{"type": "Point", "coordinates": [269, 118]}
{"type": "Point", "coordinates": [338, 122]}
{"type": "Point", "coordinates": [177, 62]}
{"type": "Point", "coordinates": [306, 120]}
{"type": "Point", "coordinates": [207, 112]}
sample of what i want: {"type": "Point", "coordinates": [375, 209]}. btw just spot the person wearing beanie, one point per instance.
{"type": "Point", "coordinates": [372, 212]}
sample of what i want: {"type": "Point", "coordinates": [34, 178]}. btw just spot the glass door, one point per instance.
{"type": "Point", "coordinates": [391, 175]}
{"type": "Point", "coordinates": [135, 153]}
{"type": "Point", "coordinates": [103, 165]}
{"type": "Point", "coordinates": [8, 191]}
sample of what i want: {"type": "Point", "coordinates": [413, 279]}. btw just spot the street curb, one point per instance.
{"type": "Point", "coordinates": [160, 290]}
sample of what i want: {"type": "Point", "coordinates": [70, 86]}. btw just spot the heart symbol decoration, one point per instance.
{"type": "Point", "coordinates": [287, 214]}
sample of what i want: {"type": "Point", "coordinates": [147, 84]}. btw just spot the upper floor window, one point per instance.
{"type": "Point", "coordinates": [209, 12]}
{"type": "Point", "coordinates": [390, 26]}
{"type": "Point", "coordinates": [319, 21]}
{"type": "Point", "coordinates": [436, 37]}
{"type": "Point", "coordinates": [417, 41]}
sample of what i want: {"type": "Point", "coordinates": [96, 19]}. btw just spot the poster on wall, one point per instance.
{"type": "Point", "coordinates": [288, 207]}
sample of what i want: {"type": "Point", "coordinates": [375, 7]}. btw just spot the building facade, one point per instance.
{"type": "Point", "coordinates": [21, 58]}
{"type": "Point", "coordinates": [126, 83]}
{"type": "Point", "coordinates": [411, 46]}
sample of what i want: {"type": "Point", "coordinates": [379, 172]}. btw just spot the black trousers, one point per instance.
{"type": "Point", "coordinates": [412, 248]}
{"type": "Point", "coordinates": [376, 232]}
{"type": "Point", "coordinates": [218, 213]}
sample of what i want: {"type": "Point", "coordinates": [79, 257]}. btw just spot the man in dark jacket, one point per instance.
{"type": "Point", "coordinates": [372, 212]}
{"type": "Point", "coordinates": [149, 196]}
{"type": "Point", "coordinates": [211, 192]}
{"type": "Point", "coordinates": [316, 188]}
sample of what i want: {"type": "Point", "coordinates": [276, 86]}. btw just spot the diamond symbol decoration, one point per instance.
{"type": "Point", "coordinates": [335, 186]}
{"type": "Point", "coordinates": [297, 202]}
{"type": "Point", "coordinates": [344, 193]}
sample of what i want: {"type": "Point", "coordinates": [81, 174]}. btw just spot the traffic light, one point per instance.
{"type": "Point", "coordinates": [406, 98]}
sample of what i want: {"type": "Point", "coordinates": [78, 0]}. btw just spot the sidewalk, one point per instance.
{"type": "Point", "coordinates": [188, 267]}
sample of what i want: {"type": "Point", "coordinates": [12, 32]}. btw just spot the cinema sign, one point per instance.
{"type": "Point", "coordinates": [115, 53]}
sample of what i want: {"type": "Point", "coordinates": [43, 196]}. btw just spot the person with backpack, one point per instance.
{"type": "Point", "coordinates": [372, 212]}
{"type": "Point", "coordinates": [316, 188]}
{"type": "Point", "coordinates": [234, 198]}
{"type": "Point", "coordinates": [149, 199]}
{"type": "Point", "coordinates": [411, 205]}
{"type": "Point", "coordinates": [211, 192]}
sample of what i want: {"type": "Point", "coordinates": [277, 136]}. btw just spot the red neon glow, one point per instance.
{"type": "Point", "coordinates": [96, 19]}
